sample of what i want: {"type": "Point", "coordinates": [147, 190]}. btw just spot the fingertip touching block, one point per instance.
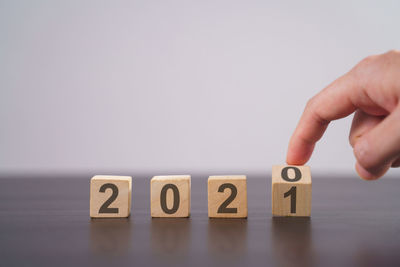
{"type": "Point", "coordinates": [227, 196]}
{"type": "Point", "coordinates": [110, 196]}
{"type": "Point", "coordinates": [170, 196]}
{"type": "Point", "coordinates": [291, 190]}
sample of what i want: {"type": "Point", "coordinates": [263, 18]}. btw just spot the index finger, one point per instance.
{"type": "Point", "coordinates": [334, 102]}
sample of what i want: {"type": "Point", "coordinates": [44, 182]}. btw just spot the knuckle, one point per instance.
{"type": "Point", "coordinates": [352, 140]}
{"type": "Point", "coordinates": [370, 70]}
{"type": "Point", "coordinates": [363, 155]}
{"type": "Point", "coordinates": [363, 68]}
{"type": "Point", "coordinates": [311, 103]}
{"type": "Point", "coordinates": [372, 60]}
{"type": "Point", "coordinates": [389, 57]}
{"type": "Point", "coordinates": [393, 52]}
{"type": "Point", "coordinates": [389, 69]}
{"type": "Point", "coordinates": [368, 61]}
{"type": "Point", "coordinates": [313, 108]}
{"type": "Point", "coordinates": [370, 161]}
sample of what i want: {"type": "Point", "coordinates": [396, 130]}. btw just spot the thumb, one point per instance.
{"type": "Point", "coordinates": [377, 149]}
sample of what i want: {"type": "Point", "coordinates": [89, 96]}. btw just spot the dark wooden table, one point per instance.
{"type": "Point", "coordinates": [45, 222]}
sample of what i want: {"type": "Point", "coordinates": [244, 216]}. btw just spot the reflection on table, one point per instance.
{"type": "Point", "coordinates": [111, 237]}
{"type": "Point", "coordinates": [292, 241]}
{"type": "Point", "coordinates": [227, 238]}
{"type": "Point", "coordinates": [170, 237]}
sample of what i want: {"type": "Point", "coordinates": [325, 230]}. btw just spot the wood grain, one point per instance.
{"type": "Point", "coordinates": [281, 205]}
{"type": "Point", "coordinates": [122, 201]}
{"type": "Point", "coordinates": [217, 195]}
{"type": "Point", "coordinates": [182, 183]}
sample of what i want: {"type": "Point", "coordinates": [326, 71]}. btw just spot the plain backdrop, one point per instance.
{"type": "Point", "coordinates": [176, 86]}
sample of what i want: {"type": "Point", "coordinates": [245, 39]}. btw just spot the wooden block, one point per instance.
{"type": "Point", "coordinates": [227, 196]}
{"type": "Point", "coordinates": [170, 196]}
{"type": "Point", "coordinates": [110, 196]}
{"type": "Point", "coordinates": [291, 190]}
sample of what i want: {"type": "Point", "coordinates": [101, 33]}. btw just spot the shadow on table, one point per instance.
{"type": "Point", "coordinates": [227, 238]}
{"type": "Point", "coordinates": [111, 237]}
{"type": "Point", "coordinates": [170, 237]}
{"type": "Point", "coordinates": [291, 241]}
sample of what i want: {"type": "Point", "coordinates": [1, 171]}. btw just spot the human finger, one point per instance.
{"type": "Point", "coordinates": [362, 123]}
{"type": "Point", "coordinates": [379, 148]}
{"type": "Point", "coordinates": [332, 103]}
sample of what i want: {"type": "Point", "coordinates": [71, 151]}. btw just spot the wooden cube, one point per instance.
{"type": "Point", "coordinates": [227, 196]}
{"type": "Point", "coordinates": [110, 196]}
{"type": "Point", "coordinates": [291, 190]}
{"type": "Point", "coordinates": [170, 196]}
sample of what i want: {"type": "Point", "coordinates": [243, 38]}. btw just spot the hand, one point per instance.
{"type": "Point", "coordinates": [371, 90]}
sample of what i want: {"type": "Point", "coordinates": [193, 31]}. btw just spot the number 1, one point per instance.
{"type": "Point", "coordinates": [292, 194]}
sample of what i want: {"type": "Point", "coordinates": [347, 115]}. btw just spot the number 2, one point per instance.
{"type": "Point", "coordinates": [105, 207]}
{"type": "Point", "coordinates": [292, 193]}
{"type": "Point", "coordinates": [224, 206]}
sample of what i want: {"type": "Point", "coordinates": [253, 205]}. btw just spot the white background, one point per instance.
{"type": "Point", "coordinates": [176, 86]}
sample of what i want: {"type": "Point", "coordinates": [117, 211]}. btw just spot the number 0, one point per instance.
{"type": "Point", "coordinates": [285, 175]}
{"type": "Point", "coordinates": [163, 198]}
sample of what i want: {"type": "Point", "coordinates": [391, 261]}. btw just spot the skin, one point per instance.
{"type": "Point", "coordinates": [371, 90]}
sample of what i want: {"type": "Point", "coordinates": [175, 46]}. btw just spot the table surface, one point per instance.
{"type": "Point", "coordinates": [45, 221]}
